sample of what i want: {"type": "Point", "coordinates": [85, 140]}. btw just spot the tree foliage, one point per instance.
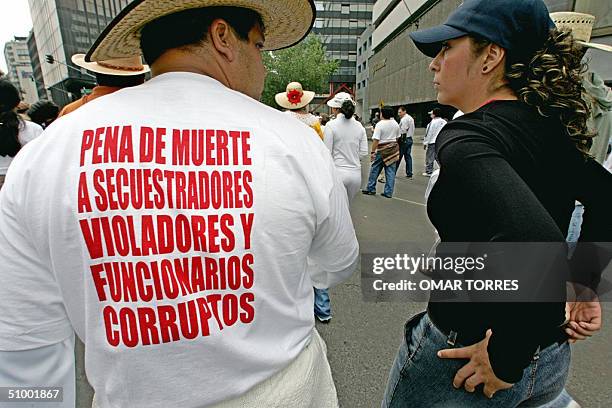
{"type": "Point", "coordinates": [305, 63]}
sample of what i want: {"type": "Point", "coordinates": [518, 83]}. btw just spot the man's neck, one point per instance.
{"type": "Point", "coordinates": [175, 60]}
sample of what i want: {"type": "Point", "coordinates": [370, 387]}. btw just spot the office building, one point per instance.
{"type": "Point", "coordinates": [63, 28]}
{"type": "Point", "coordinates": [20, 68]}
{"type": "Point", "coordinates": [36, 67]}
{"type": "Point", "coordinates": [364, 52]}
{"type": "Point", "coordinates": [339, 23]}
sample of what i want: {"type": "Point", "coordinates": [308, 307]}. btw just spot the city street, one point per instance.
{"type": "Point", "coordinates": [362, 338]}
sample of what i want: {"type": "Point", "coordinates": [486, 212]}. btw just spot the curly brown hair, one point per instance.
{"type": "Point", "coordinates": [551, 83]}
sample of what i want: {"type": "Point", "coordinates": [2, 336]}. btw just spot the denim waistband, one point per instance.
{"type": "Point", "coordinates": [465, 338]}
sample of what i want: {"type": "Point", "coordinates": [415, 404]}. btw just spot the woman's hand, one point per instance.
{"type": "Point", "coordinates": [584, 319]}
{"type": "Point", "coordinates": [478, 370]}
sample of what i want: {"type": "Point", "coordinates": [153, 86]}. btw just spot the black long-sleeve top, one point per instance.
{"type": "Point", "coordinates": [511, 175]}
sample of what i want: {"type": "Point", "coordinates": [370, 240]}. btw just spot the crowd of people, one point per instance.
{"type": "Point", "coordinates": [188, 296]}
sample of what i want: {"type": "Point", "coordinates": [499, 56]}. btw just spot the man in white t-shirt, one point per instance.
{"type": "Point", "coordinates": [153, 223]}
{"type": "Point", "coordinates": [406, 139]}
{"type": "Point", "coordinates": [429, 142]}
{"type": "Point", "coordinates": [385, 153]}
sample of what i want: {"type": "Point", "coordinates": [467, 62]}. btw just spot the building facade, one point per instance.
{"type": "Point", "coordinates": [20, 68]}
{"type": "Point", "coordinates": [364, 52]}
{"type": "Point", "coordinates": [36, 67]}
{"type": "Point", "coordinates": [399, 73]}
{"type": "Point", "coordinates": [339, 23]}
{"type": "Point", "coordinates": [63, 28]}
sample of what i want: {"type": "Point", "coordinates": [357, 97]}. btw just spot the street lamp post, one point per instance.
{"type": "Point", "coordinates": [51, 60]}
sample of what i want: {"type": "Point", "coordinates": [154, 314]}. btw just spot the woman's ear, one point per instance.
{"type": "Point", "coordinates": [493, 57]}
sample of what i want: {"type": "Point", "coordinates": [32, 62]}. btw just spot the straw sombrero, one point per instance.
{"type": "Point", "coordinates": [286, 23]}
{"type": "Point", "coordinates": [581, 26]}
{"type": "Point", "coordinates": [118, 66]}
{"type": "Point", "coordinates": [294, 97]}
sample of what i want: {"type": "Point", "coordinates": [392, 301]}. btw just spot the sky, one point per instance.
{"type": "Point", "coordinates": [15, 19]}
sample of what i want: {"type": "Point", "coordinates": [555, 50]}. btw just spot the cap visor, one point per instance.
{"type": "Point", "coordinates": [429, 41]}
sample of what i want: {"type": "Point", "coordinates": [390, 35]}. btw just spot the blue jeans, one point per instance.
{"type": "Point", "coordinates": [322, 305]}
{"type": "Point", "coordinates": [430, 158]}
{"type": "Point", "coordinates": [377, 167]}
{"type": "Point", "coordinates": [406, 153]}
{"type": "Point", "coordinates": [418, 378]}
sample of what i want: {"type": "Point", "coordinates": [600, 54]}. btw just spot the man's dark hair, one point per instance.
{"type": "Point", "coordinates": [403, 108]}
{"type": "Point", "coordinates": [10, 122]}
{"type": "Point", "coordinates": [43, 112]}
{"type": "Point", "coordinates": [120, 81]}
{"type": "Point", "coordinates": [437, 112]}
{"type": "Point", "coordinates": [387, 112]}
{"type": "Point", "coordinates": [190, 27]}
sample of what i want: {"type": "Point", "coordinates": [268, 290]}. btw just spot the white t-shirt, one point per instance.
{"type": "Point", "coordinates": [28, 131]}
{"type": "Point", "coordinates": [407, 125]}
{"type": "Point", "coordinates": [346, 140]}
{"type": "Point", "coordinates": [434, 127]}
{"type": "Point", "coordinates": [387, 130]}
{"type": "Point", "coordinates": [172, 235]}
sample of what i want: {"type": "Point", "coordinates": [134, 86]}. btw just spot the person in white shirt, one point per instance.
{"type": "Point", "coordinates": [153, 223]}
{"type": "Point", "coordinates": [346, 139]}
{"type": "Point", "coordinates": [14, 131]}
{"type": "Point", "coordinates": [429, 142]}
{"type": "Point", "coordinates": [406, 139]}
{"type": "Point", "coordinates": [384, 154]}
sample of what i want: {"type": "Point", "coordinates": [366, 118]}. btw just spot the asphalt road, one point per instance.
{"type": "Point", "coordinates": [362, 337]}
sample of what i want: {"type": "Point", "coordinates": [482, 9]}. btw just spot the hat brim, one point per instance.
{"type": "Point", "coordinates": [597, 46]}
{"type": "Point", "coordinates": [282, 100]}
{"type": "Point", "coordinates": [429, 41]}
{"type": "Point", "coordinates": [332, 103]}
{"type": "Point", "coordinates": [79, 60]}
{"type": "Point", "coordinates": [286, 23]}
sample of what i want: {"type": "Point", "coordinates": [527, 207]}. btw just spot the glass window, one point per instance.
{"type": "Point", "coordinates": [346, 9]}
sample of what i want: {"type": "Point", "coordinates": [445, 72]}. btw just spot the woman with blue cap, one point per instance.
{"type": "Point", "coordinates": [512, 167]}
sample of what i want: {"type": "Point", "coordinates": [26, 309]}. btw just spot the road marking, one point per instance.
{"type": "Point", "coordinates": [410, 202]}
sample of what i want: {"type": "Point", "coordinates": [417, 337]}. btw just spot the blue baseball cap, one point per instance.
{"type": "Point", "coordinates": [519, 26]}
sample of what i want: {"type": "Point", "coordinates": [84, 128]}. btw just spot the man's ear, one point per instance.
{"type": "Point", "coordinates": [223, 39]}
{"type": "Point", "coordinates": [494, 56]}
